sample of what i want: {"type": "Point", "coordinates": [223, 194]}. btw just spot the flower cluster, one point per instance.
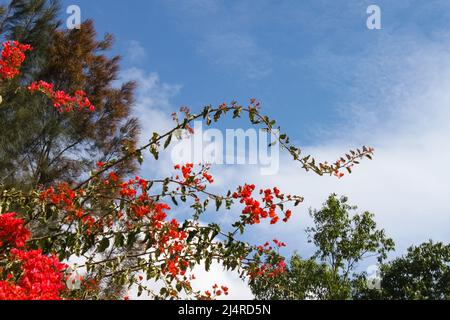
{"type": "Point", "coordinates": [63, 196]}
{"type": "Point", "coordinates": [214, 293]}
{"type": "Point", "coordinates": [65, 199]}
{"type": "Point", "coordinates": [254, 211]}
{"type": "Point", "coordinates": [197, 180]}
{"type": "Point", "coordinates": [176, 266]}
{"type": "Point", "coordinates": [168, 237]}
{"type": "Point", "coordinates": [32, 275]}
{"type": "Point", "coordinates": [171, 242]}
{"type": "Point", "coordinates": [12, 231]}
{"type": "Point", "coordinates": [273, 265]}
{"type": "Point", "coordinates": [62, 101]}
{"type": "Point", "coordinates": [130, 188]}
{"type": "Point", "coordinates": [12, 57]}
{"type": "Point", "coordinates": [40, 277]}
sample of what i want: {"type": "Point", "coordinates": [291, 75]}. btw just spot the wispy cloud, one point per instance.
{"type": "Point", "coordinates": [223, 36]}
{"type": "Point", "coordinates": [153, 101]}
{"type": "Point", "coordinates": [136, 53]}
{"type": "Point", "coordinates": [236, 53]}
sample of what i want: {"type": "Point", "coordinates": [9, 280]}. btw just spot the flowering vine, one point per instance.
{"type": "Point", "coordinates": [130, 231]}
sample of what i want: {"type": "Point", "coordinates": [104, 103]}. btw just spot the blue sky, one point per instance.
{"type": "Point", "coordinates": [288, 54]}
{"type": "Point", "coordinates": [223, 50]}
{"type": "Point", "coordinates": [330, 82]}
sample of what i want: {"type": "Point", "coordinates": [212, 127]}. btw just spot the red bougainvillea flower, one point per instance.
{"type": "Point", "coordinates": [62, 101]}
{"type": "Point", "coordinates": [12, 231]}
{"type": "Point", "coordinates": [274, 264]}
{"type": "Point", "coordinates": [34, 276]}
{"type": "Point", "coordinates": [12, 57]}
{"type": "Point", "coordinates": [265, 209]}
{"type": "Point", "coordinates": [215, 293]}
{"type": "Point", "coordinates": [64, 198]}
{"type": "Point", "coordinates": [197, 180]}
{"type": "Point", "coordinates": [41, 277]}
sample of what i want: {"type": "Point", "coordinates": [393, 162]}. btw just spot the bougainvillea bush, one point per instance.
{"type": "Point", "coordinates": [104, 235]}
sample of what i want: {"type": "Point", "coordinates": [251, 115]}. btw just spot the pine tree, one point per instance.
{"type": "Point", "coordinates": [51, 146]}
{"type": "Point", "coordinates": [40, 146]}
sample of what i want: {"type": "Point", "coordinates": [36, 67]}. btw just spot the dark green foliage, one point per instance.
{"type": "Point", "coordinates": [40, 146]}
{"type": "Point", "coordinates": [422, 274]}
{"type": "Point", "coordinates": [305, 279]}
{"type": "Point", "coordinates": [342, 240]}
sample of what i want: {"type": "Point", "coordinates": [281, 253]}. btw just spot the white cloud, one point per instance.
{"type": "Point", "coordinates": [153, 108]}
{"type": "Point", "coordinates": [224, 34]}
{"type": "Point", "coordinates": [135, 52]}
{"type": "Point", "coordinates": [153, 101]}
{"type": "Point", "coordinates": [239, 290]}
{"type": "Point", "coordinates": [204, 280]}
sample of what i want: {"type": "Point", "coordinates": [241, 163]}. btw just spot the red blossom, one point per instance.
{"type": "Point", "coordinates": [12, 57]}
{"type": "Point", "coordinates": [214, 293]}
{"type": "Point", "coordinates": [62, 101]}
{"type": "Point", "coordinates": [272, 266]}
{"type": "Point", "coordinates": [12, 231]}
{"type": "Point", "coordinates": [190, 178]}
{"type": "Point", "coordinates": [266, 208]}
{"type": "Point", "coordinates": [40, 277]}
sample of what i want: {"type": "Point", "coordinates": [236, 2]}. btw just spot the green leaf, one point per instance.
{"type": "Point", "coordinates": [208, 263]}
{"type": "Point", "coordinates": [140, 157]}
{"type": "Point", "coordinates": [103, 245]}
{"type": "Point", "coordinates": [206, 110]}
{"type": "Point", "coordinates": [131, 239]}
{"type": "Point", "coordinates": [154, 151]}
{"type": "Point", "coordinates": [167, 143]}
{"type": "Point", "coordinates": [154, 137]}
{"type": "Point", "coordinates": [218, 203]}
{"type": "Point", "coordinates": [191, 236]}
{"type": "Point", "coordinates": [119, 240]}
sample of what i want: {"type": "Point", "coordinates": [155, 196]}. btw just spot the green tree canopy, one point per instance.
{"type": "Point", "coordinates": [304, 279]}
{"type": "Point", "coordinates": [423, 273]}
{"type": "Point", "coordinates": [343, 239]}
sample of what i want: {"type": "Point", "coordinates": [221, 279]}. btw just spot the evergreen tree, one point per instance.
{"type": "Point", "coordinates": [39, 145]}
